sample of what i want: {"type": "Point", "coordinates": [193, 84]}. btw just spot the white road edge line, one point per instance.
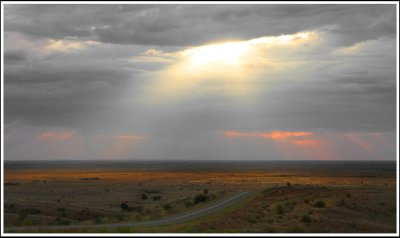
{"type": "Point", "coordinates": [198, 211]}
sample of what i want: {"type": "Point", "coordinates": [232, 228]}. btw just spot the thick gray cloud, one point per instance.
{"type": "Point", "coordinates": [78, 68]}
{"type": "Point", "coordinates": [61, 94]}
{"type": "Point", "coordinates": [14, 56]}
{"type": "Point", "coordinates": [196, 24]}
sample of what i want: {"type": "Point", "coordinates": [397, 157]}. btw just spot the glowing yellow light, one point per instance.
{"type": "Point", "coordinates": [228, 68]}
{"type": "Point", "coordinates": [67, 45]}
{"type": "Point", "coordinates": [224, 54]}
{"type": "Point", "coordinates": [271, 41]}
{"type": "Point", "coordinates": [232, 53]}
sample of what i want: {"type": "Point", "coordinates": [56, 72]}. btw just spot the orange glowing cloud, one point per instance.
{"type": "Point", "coordinates": [307, 142]}
{"type": "Point", "coordinates": [293, 144]}
{"type": "Point", "coordinates": [55, 136]}
{"type": "Point", "coordinates": [275, 135]}
{"type": "Point", "coordinates": [235, 134]}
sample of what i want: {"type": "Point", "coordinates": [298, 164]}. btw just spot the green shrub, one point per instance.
{"type": "Point", "coordinates": [200, 198]}
{"type": "Point", "coordinates": [156, 198]}
{"type": "Point", "coordinates": [22, 215]}
{"type": "Point", "coordinates": [144, 196]}
{"type": "Point", "coordinates": [188, 204]}
{"type": "Point", "coordinates": [97, 220]}
{"type": "Point", "coordinates": [319, 204]}
{"type": "Point", "coordinates": [31, 211]}
{"type": "Point", "coordinates": [124, 206]}
{"type": "Point", "coordinates": [63, 211]}
{"type": "Point", "coordinates": [11, 183]}
{"type": "Point", "coordinates": [63, 221]}
{"type": "Point", "coordinates": [167, 206]}
{"type": "Point", "coordinates": [279, 209]}
{"type": "Point", "coordinates": [251, 220]}
{"type": "Point", "coordinates": [341, 203]}
{"type": "Point", "coordinates": [352, 225]}
{"type": "Point", "coordinates": [270, 230]}
{"type": "Point", "coordinates": [306, 219]}
{"type": "Point", "coordinates": [12, 207]}
{"type": "Point", "coordinates": [136, 208]}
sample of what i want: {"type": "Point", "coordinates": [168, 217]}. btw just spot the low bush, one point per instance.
{"type": "Point", "coordinates": [188, 204]}
{"type": "Point", "coordinates": [11, 183]}
{"type": "Point", "coordinates": [279, 209]}
{"type": "Point", "coordinates": [63, 221]}
{"type": "Point", "coordinates": [31, 211]}
{"type": "Point", "coordinates": [319, 204]}
{"type": "Point", "coordinates": [136, 208]}
{"type": "Point", "coordinates": [63, 211]}
{"type": "Point", "coordinates": [341, 203]}
{"type": "Point", "coordinates": [167, 206]}
{"type": "Point", "coordinates": [124, 206]}
{"type": "Point", "coordinates": [149, 191]}
{"type": "Point", "coordinates": [200, 198]}
{"type": "Point", "coordinates": [306, 219]}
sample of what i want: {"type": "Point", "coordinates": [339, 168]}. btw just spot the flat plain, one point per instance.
{"type": "Point", "coordinates": [285, 196]}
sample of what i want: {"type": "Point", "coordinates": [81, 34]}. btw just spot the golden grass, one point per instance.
{"type": "Point", "coordinates": [196, 177]}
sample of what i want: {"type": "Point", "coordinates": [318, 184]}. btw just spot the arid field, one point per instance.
{"type": "Point", "coordinates": [343, 199]}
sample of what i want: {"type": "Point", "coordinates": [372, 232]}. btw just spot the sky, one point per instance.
{"type": "Point", "coordinates": [199, 82]}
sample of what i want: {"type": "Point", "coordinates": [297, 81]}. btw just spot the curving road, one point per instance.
{"type": "Point", "coordinates": [183, 217]}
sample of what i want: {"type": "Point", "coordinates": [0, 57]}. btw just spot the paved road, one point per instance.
{"type": "Point", "coordinates": [183, 217]}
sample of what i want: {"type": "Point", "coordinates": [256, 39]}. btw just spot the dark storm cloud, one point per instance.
{"type": "Point", "coordinates": [355, 93]}
{"type": "Point", "coordinates": [75, 74]}
{"type": "Point", "coordinates": [331, 107]}
{"type": "Point", "coordinates": [196, 24]}
{"type": "Point", "coordinates": [61, 94]}
{"type": "Point", "coordinates": [15, 56]}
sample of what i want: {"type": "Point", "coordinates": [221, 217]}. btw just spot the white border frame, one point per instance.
{"type": "Point", "coordinates": [198, 234]}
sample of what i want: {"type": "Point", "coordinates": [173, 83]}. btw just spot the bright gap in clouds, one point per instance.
{"type": "Point", "coordinates": [233, 53]}
{"type": "Point", "coordinates": [227, 68]}
{"type": "Point", "coordinates": [229, 53]}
